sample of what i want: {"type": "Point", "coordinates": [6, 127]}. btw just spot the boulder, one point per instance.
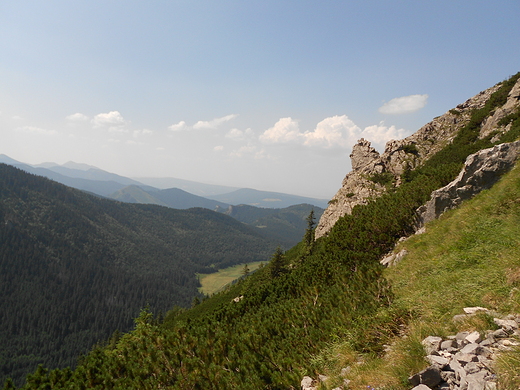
{"type": "Point", "coordinates": [430, 376]}
{"type": "Point", "coordinates": [481, 170]}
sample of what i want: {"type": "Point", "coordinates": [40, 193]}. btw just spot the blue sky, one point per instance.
{"type": "Point", "coordinates": [263, 94]}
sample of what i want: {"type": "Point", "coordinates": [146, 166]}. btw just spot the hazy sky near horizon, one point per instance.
{"type": "Point", "coordinates": [264, 94]}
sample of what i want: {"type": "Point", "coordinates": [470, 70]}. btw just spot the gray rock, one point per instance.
{"type": "Point", "coordinates": [430, 376]}
{"type": "Point", "coordinates": [431, 344]}
{"type": "Point", "coordinates": [438, 361]}
{"type": "Point", "coordinates": [473, 310]}
{"type": "Point", "coordinates": [508, 325]}
{"type": "Point", "coordinates": [476, 381]}
{"type": "Point", "coordinates": [500, 334]}
{"type": "Point", "coordinates": [472, 368]}
{"type": "Point", "coordinates": [448, 344]}
{"type": "Point", "coordinates": [487, 342]}
{"type": "Point", "coordinates": [473, 337]}
{"type": "Point", "coordinates": [470, 349]}
{"type": "Point", "coordinates": [465, 358]}
{"type": "Point", "coordinates": [308, 383]}
{"type": "Point", "coordinates": [393, 258]}
{"type": "Point", "coordinates": [444, 386]}
{"type": "Point", "coordinates": [481, 170]}
{"type": "Point", "coordinates": [362, 154]}
{"type": "Point", "coordinates": [421, 387]}
{"type": "Point", "coordinates": [449, 377]}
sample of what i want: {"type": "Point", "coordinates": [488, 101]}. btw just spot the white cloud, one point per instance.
{"type": "Point", "coordinates": [332, 132]}
{"type": "Point", "coordinates": [77, 117]}
{"type": "Point", "coordinates": [113, 120]}
{"type": "Point", "coordinates": [178, 126]}
{"type": "Point", "coordinates": [218, 148]}
{"type": "Point", "coordinates": [381, 134]}
{"type": "Point", "coordinates": [36, 130]}
{"type": "Point", "coordinates": [214, 123]}
{"type": "Point", "coordinates": [138, 133]}
{"type": "Point", "coordinates": [403, 105]}
{"type": "Point", "coordinates": [239, 134]}
{"type": "Point", "coordinates": [285, 130]}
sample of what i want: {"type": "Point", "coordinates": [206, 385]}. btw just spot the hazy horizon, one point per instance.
{"type": "Point", "coordinates": [267, 95]}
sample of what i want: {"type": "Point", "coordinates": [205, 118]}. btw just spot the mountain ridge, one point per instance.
{"type": "Point", "coordinates": [325, 304]}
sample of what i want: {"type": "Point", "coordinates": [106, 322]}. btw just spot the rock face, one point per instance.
{"type": "Point", "coordinates": [372, 173]}
{"type": "Point", "coordinates": [480, 172]}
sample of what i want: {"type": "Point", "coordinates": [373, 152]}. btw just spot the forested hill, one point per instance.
{"type": "Point", "coordinates": [74, 268]}
{"type": "Point", "coordinates": [263, 332]}
{"type": "Point", "coordinates": [322, 301]}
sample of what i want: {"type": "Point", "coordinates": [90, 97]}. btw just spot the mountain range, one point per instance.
{"type": "Point", "coordinates": [326, 308]}
{"type": "Point", "coordinates": [97, 181]}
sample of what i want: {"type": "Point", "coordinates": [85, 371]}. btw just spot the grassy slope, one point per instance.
{"type": "Point", "coordinates": [469, 257]}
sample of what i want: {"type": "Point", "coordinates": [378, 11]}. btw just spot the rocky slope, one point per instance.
{"type": "Point", "coordinates": [374, 173]}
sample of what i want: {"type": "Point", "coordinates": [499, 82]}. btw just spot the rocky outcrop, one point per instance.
{"type": "Point", "coordinates": [491, 124]}
{"type": "Point", "coordinates": [373, 173]}
{"type": "Point", "coordinates": [481, 171]}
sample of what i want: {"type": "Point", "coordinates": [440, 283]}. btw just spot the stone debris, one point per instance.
{"type": "Point", "coordinates": [465, 361]}
{"type": "Point", "coordinates": [459, 362]}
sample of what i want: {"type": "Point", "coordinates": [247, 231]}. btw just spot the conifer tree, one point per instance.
{"type": "Point", "coordinates": [308, 238]}
{"type": "Point", "coordinates": [277, 264]}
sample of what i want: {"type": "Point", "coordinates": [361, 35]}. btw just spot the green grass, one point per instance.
{"type": "Point", "coordinates": [212, 283]}
{"type": "Point", "coordinates": [468, 257]}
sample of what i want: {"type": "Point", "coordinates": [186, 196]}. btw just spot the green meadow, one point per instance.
{"type": "Point", "coordinates": [212, 283]}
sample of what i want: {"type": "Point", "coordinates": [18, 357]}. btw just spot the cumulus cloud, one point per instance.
{"type": "Point", "coordinates": [113, 120]}
{"type": "Point", "coordinates": [285, 130]}
{"type": "Point", "coordinates": [138, 133]}
{"type": "Point", "coordinates": [214, 123]}
{"type": "Point", "coordinates": [218, 148]}
{"type": "Point", "coordinates": [404, 105]}
{"type": "Point", "coordinates": [239, 134]}
{"type": "Point", "coordinates": [77, 117]}
{"type": "Point", "coordinates": [178, 126]}
{"type": "Point", "coordinates": [36, 130]}
{"type": "Point", "coordinates": [332, 132]}
{"type": "Point", "coordinates": [335, 131]}
{"type": "Point", "coordinates": [381, 134]}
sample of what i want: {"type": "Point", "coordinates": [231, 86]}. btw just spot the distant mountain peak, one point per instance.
{"type": "Point", "coordinates": [80, 166]}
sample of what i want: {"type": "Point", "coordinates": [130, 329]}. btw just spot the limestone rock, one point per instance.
{"type": "Point", "coordinates": [463, 362]}
{"type": "Point", "coordinates": [491, 123]}
{"type": "Point", "coordinates": [399, 155]}
{"type": "Point", "coordinates": [394, 258]}
{"type": "Point", "coordinates": [308, 383]}
{"type": "Point", "coordinates": [480, 172]}
{"type": "Point", "coordinates": [362, 154]}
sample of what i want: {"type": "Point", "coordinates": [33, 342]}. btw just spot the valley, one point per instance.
{"type": "Point", "coordinates": [325, 306]}
{"type": "Point", "coordinates": [215, 282]}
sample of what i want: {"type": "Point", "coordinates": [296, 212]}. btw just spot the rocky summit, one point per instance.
{"type": "Point", "coordinates": [373, 173]}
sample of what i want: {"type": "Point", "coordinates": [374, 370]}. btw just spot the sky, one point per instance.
{"type": "Point", "coordinates": [270, 95]}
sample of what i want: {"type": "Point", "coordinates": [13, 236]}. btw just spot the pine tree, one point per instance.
{"type": "Point", "coordinates": [308, 238]}
{"type": "Point", "coordinates": [277, 264]}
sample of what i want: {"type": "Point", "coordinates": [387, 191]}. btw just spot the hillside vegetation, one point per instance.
{"type": "Point", "coordinates": [283, 321]}
{"type": "Point", "coordinates": [469, 257]}
{"type": "Point", "coordinates": [75, 268]}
